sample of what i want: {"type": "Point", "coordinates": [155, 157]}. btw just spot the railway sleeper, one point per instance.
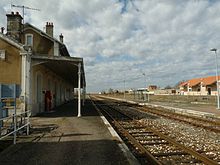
{"type": "Point", "coordinates": [184, 159]}
{"type": "Point", "coordinates": [133, 127]}
{"type": "Point", "coordinates": [144, 135]}
{"type": "Point", "coordinates": [163, 148]}
{"type": "Point", "coordinates": [148, 138]}
{"type": "Point", "coordinates": [160, 154]}
{"type": "Point", "coordinates": [178, 116]}
{"type": "Point", "coordinates": [137, 131]}
{"type": "Point", "coordinates": [153, 143]}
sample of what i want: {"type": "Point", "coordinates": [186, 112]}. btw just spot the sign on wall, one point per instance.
{"type": "Point", "coordinates": [10, 90]}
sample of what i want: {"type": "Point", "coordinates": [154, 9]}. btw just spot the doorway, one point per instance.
{"type": "Point", "coordinates": [39, 92]}
{"type": "Point", "coordinates": [209, 91]}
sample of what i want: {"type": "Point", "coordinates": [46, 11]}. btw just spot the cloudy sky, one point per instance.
{"type": "Point", "coordinates": [139, 42]}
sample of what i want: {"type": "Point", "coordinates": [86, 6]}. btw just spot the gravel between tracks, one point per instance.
{"type": "Point", "coordinates": [196, 138]}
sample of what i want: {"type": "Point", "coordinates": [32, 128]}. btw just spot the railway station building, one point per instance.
{"type": "Point", "coordinates": [199, 86]}
{"type": "Point", "coordinates": [40, 65]}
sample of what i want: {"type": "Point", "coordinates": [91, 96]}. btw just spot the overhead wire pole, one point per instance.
{"type": "Point", "coordinates": [217, 81]}
{"type": "Point", "coordinates": [124, 89]}
{"type": "Point", "coordinates": [145, 87]}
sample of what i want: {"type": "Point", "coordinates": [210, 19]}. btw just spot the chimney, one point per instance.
{"type": "Point", "coordinates": [49, 28]}
{"type": "Point", "coordinates": [61, 38]}
{"type": "Point", "coordinates": [14, 25]}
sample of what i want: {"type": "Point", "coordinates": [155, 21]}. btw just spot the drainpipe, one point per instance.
{"type": "Point", "coordinates": [23, 77]}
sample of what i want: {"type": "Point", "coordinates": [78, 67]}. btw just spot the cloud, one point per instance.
{"type": "Point", "coordinates": [167, 40]}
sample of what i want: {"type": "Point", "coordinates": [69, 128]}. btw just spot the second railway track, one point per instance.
{"type": "Point", "coordinates": [152, 142]}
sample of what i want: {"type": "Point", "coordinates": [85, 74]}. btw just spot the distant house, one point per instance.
{"type": "Point", "coordinates": [40, 64]}
{"type": "Point", "coordinates": [199, 86]}
{"type": "Point", "coordinates": [166, 91]}
{"type": "Point", "coordinates": [152, 87]}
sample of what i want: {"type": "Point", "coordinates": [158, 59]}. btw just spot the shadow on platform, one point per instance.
{"type": "Point", "coordinates": [70, 109]}
{"type": "Point", "coordinates": [70, 152]}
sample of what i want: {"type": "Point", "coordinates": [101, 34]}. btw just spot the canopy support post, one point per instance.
{"type": "Point", "coordinates": [79, 90]}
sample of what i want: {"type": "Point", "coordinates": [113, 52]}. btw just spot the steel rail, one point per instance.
{"type": "Point", "coordinates": [214, 122]}
{"type": "Point", "coordinates": [180, 117]}
{"type": "Point", "coordinates": [148, 155]}
{"type": "Point", "coordinates": [120, 112]}
{"type": "Point", "coordinates": [190, 151]}
{"type": "Point", "coordinates": [192, 122]}
{"type": "Point", "coordinates": [184, 148]}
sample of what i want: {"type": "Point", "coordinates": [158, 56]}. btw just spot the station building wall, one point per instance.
{"type": "Point", "coordinates": [10, 70]}
{"type": "Point", "coordinates": [41, 45]}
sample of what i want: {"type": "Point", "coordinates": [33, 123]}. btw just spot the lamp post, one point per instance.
{"type": "Point", "coordinates": [145, 81]}
{"type": "Point", "coordinates": [217, 84]}
{"type": "Point", "coordinates": [124, 89]}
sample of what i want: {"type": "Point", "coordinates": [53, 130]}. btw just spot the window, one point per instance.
{"type": "Point", "coordinates": [29, 39]}
{"type": "Point", "coordinates": [2, 54]}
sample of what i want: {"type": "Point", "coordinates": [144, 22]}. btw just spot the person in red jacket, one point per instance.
{"type": "Point", "coordinates": [48, 100]}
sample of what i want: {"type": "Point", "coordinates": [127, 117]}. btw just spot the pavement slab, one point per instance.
{"type": "Point", "coordinates": [60, 137]}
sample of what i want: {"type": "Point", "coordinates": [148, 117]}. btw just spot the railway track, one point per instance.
{"type": "Point", "coordinates": [206, 123]}
{"type": "Point", "coordinates": [150, 142]}
{"type": "Point", "coordinates": [209, 124]}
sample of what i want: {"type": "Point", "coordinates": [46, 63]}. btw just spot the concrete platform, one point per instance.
{"type": "Point", "coordinates": [61, 138]}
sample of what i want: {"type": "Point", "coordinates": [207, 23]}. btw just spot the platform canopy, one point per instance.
{"type": "Point", "coordinates": [69, 68]}
{"type": "Point", "coordinates": [65, 67]}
